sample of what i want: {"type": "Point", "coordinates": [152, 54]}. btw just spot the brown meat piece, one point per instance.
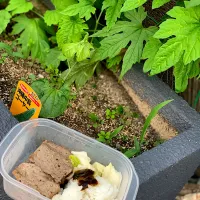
{"type": "Point", "coordinates": [32, 176]}
{"type": "Point", "coordinates": [53, 160]}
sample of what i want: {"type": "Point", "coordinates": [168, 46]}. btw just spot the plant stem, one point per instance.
{"type": "Point", "coordinates": [38, 14]}
{"type": "Point", "coordinates": [156, 22]}
{"type": "Point", "coordinates": [97, 22]}
{"type": "Point", "coordinates": [101, 24]}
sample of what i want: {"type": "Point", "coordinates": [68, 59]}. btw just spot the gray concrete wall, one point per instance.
{"type": "Point", "coordinates": [164, 170]}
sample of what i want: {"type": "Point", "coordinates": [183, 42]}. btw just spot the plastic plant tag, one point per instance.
{"type": "Point", "coordinates": [26, 104]}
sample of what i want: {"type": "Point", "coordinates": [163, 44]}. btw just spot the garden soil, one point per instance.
{"type": "Point", "coordinates": [100, 93]}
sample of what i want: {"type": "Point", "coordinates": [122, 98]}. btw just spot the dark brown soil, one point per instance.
{"type": "Point", "coordinates": [12, 71]}
{"type": "Point", "coordinates": [99, 94]}
{"type": "Point", "coordinates": [103, 93]}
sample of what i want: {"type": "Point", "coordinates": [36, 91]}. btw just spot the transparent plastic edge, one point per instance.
{"type": "Point", "coordinates": [135, 180]}
{"type": "Point", "coordinates": [7, 140]}
{"type": "Point", "coordinates": [4, 145]}
{"type": "Point", "coordinates": [10, 138]}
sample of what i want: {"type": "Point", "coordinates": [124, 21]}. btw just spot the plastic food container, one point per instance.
{"type": "Point", "coordinates": [25, 137]}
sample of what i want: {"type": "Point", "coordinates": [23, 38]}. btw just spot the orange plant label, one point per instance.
{"type": "Point", "coordinates": [25, 99]}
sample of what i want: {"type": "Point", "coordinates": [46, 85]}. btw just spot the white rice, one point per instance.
{"type": "Point", "coordinates": [103, 191]}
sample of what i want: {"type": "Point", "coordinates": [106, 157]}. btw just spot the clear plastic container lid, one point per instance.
{"type": "Point", "coordinates": [25, 137]}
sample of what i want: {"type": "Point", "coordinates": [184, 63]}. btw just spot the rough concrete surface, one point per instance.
{"type": "Point", "coordinates": [164, 170]}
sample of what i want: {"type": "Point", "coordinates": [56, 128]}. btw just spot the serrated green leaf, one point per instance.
{"type": "Point", "coordinates": [52, 17]}
{"type": "Point", "coordinates": [123, 33]}
{"type": "Point", "coordinates": [113, 8]}
{"type": "Point", "coordinates": [134, 52]}
{"type": "Point", "coordinates": [181, 76]}
{"type": "Point", "coordinates": [159, 3]}
{"type": "Point", "coordinates": [62, 4]}
{"type": "Point", "coordinates": [192, 50]}
{"type": "Point", "coordinates": [184, 27]}
{"type": "Point", "coordinates": [183, 72]}
{"type": "Point", "coordinates": [113, 62]}
{"type": "Point", "coordinates": [132, 4]}
{"type": "Point", "coordinates": [19, 6]}
{"type": "Point", "coordinates": [54, 57]}
{"type": "Point", "coordinates": [150, 50]}
{"type": "Point", "coordinates": [40, 87]}
{"type": "Point", "coordinates": [6, 47]}
{"type": "Point", "coordinates": [71, 29]}
{"type": "Point", "coordinates": [84, 9]}
{"type": "Point", "coordinates": [79, 73]}
{"type": "Point", "coordinates": [54, 101]}
{"type": "Point", "coordinates": [5, 19]}
{"type": "Point", "coordinates": [167, 56]}
{"type": "Point", "coordinates": [81, 49]}
{"type": "Point", "coordinates": [194, 69]}
{"type": "Point", "coordinates": [33, 38]}
{"type": "Point", "coordinates": [191, 3]}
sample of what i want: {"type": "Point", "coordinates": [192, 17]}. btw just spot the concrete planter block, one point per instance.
{"type": "Point", "coordinates": [165, 169]}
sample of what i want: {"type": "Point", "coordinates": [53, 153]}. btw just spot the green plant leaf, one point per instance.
{"type": "Point", "coordinates": [79, 73]}
{"type": "Point", "coordinates": [183, 72]}
{"type": "Point", "coordinates": [112, 62]}
{"type": "Point", "coordinates": [93, 117]}
{"type": "Point", "coordinates": [123, 33]}
{"type": "Point", "coordinates": [132, 4]}
{"type": "Point", "coordinates": [54, 101]}
{"type": "Point", "coordinates": [6, 47]}
{"type": "Point", "coordinates": [150, 50]}
{"type": "Point", "coordinates": [71, 29]}
{"type": "Point", "coordinates": [54, 57]}
{"type": "Point", "coordinates": [33, 38]}
{"type": "Point", "coordinates": [191, 3]}
{"type": "Point", "coordinates": [81, 49]}
{"type": "Point", "coordinates": [5, 19]}
{"type": "Point", "coordinates": [40, 87]}
{"type": "Point", "coordinates": [84, 9]}
{"type": "Point", "coordinates": [101, 139]}
{"type": "Point", "coordinates": [185, 27]}
{"type": "Point", "coordinates": [116, 131]}
{"type": "Point", "coordinates": [113, 8]}
{"type": "Point", "coordinates": [152, 114]}
{"type": "Point", "coordinates": [196, 100]}
{"type": "Point", "coordinates": [62, 4]}
{"type": "Point", "coordinates": [19, 6]}
{"type": "Point", "coordinates": [134, 151]}
{"type": "Point", "coordinates": [159, 3]}
{"type": "Point", "coordinates": [52, 17]}
{"type": "Point", "coordinates": [167, 56]}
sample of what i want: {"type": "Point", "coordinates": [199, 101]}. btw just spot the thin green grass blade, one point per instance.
{"type": "Point", "coordinates": [197, 98]}
{"type": "Point", "coordinates": [152, 114]}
